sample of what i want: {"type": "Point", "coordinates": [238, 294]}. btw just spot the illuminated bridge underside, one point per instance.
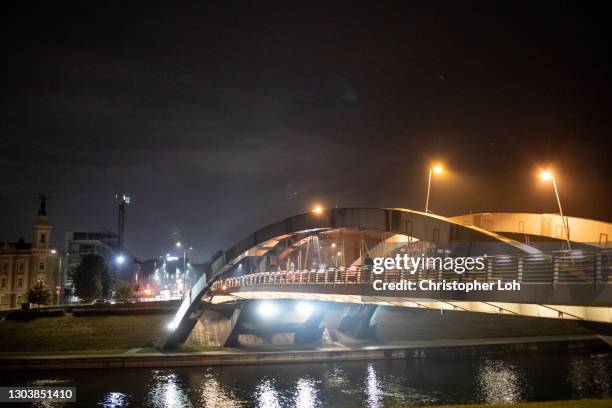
{"type": "Point", "coordinates": [596, 314]}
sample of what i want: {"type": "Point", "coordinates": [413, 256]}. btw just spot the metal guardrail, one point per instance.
{"type": "Point", "coordinates": [554, 268]}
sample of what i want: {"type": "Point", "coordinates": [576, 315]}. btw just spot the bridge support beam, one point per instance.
{"type": "Point", "coordinates": [356, 321]}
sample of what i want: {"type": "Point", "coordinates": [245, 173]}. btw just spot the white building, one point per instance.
{"type": "Point", "coordinates": [22, 264]}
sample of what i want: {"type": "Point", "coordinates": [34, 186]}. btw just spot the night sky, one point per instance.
{"type": "Point", "coordinates": [217, 120]}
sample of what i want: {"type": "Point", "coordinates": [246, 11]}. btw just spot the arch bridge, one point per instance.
{"type": "Point", "coordinates": [327, 256]}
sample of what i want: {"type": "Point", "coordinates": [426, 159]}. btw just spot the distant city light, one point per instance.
{"type": "Point", "coordinates": [171, 258]}
{"type": "Point", "coordinates": [53, 251]}
{"type": "Point", "coordinates": [120, 259]}
{"type": "Point", "coordinates": [178, 244]}
{"type": "Point", "coordinates": [267, 309]}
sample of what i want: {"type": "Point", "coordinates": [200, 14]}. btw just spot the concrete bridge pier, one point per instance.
{"type": "Point", "coordinates": [311, 330]}
{"type": "Point", "coordinates": [216, 327]}
{"type": "Point", "coordinates": [356, 321]}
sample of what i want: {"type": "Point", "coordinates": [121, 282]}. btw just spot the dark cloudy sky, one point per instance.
{"type": "Point", "coordinates": [218, 119]}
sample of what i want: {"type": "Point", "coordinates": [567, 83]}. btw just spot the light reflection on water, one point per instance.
{"type": "Point", "coordinates": [214, 395]}
{"type": "Point", "coordinates": [266, 395]}
{"type": "Point", "coordinates": [591, 374]}
{"type": "Point", "coordinates": [114, 400]}
{"type": "Point", "coordinates": [500, 382]}
{"type": "Point", "coordinates": [165, 391]}
{"type": "Point", "coordinates": [373, 389]}
{"type": "Point", "coordinates": [375, 384]}
{"type": "Point", "coordinates": [306, 393]}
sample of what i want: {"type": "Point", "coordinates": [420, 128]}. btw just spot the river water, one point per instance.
{"type": "Point", "coordinates": [374, 384]}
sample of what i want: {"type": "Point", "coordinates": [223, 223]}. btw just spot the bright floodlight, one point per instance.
{"type": "Point", "coordinates": [437, 169]}
{"type": "Point", "coordinates": [304, 309]}
{"type": "Point", "coordinates": [178, 244]}
{"type": "Point", "coordinates": [317, 209]}
{"type": "Point", "coordinates": [267, 309]}
{"type": "Point", "coordinates": [120, 259]}
{"type": "Point", "coordinates": [546, 175]}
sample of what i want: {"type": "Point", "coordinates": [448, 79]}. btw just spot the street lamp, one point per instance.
{"type": "Point", "coordinates": [435, 169]}
{"type": "Point", "coordinates": [179, 245]}
{"type": "Point", "coordinates": [546, 175]}
{"type": "Point", "coordinates": [317, 209]}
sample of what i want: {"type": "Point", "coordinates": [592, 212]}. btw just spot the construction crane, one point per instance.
{"type": "Point", "coordinates": [122, 201]}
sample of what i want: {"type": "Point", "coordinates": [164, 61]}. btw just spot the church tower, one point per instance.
{"type": "Point", "coordinates": [41, 233]}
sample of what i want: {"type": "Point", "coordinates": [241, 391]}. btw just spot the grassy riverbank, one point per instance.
{"type": "Point", "coordinates": [80, 335]}
{"type": "Point", "coordinates": [590, 403]}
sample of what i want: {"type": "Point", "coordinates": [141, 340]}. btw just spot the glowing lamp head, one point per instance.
{"type": "Point", "coordinates": [437, 169]}
{"type": "Point", "coordinates": [178, 244]}
{"type": "Point", "coordinates": [120, 259]}
{"type": "Point", "coordinates": [317, 209]}
{"type": "Point", "coordinates": [304, 309]}
{"type": "Point", "coordinates": [546, 175]}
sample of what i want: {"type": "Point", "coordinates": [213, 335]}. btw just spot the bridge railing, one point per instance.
{"type": "Point", "coordinates": [554, 268]}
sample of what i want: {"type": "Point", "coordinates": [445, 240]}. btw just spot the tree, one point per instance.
{"type": "Point", "coordinates": [91, 278]}
{"type": "Point", "coordinates": [125, 291]}
{"type": "Point", "coordinates": [38, 294]}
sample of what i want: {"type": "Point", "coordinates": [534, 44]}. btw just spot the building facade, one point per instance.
{"type": "Point", "coordinates": [79, 244]}
{"type": "Point", "coordinates": [22, 264]}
